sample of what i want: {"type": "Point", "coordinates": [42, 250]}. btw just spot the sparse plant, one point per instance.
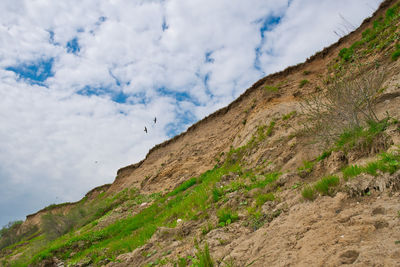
{"type": "Point", "coordinates": [289, 115]}
{"type": "Point", "coordinates": [303, 83]}
{"type": "Point", "coordinates": [346, 104]}
{"type": "Point", "coordinates": [226, 217]}
{"type": "Point", "coordinates": [203, 257]}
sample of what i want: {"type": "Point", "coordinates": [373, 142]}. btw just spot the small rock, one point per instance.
{"type": "Point", "coordinates": [143, 204]}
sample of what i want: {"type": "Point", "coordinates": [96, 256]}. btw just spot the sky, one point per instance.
{"type": "Point", "coordinates": [80, 79]}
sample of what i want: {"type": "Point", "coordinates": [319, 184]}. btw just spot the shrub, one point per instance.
{"type": "Point", "coordinates": [324, 185]}
{"type": "Point", "coordinates": [346, 104]}
{"type": "Point", "coordinates": [308, 193]}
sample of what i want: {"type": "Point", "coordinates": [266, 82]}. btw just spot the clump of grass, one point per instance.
{"type": "Point", "coordinates": [307, 167]}
{"type": "Point", "coordinates": [324, 186]}
{"type": "Point", "coordinates": [289, 115]}
{"type": "Point", "coordinates": [346, 53]}
{"type": "Point", "coordinates": [396, 53]}
{"type": "Point", "coordinates": [308, 193]}
{"type": "Point", "coordinates": [324, 155]}
{"type": "Point", "coordinates": [270, 128]}
{"type": "Point", "coordinates": [269, 178]}
{"type": "Point", "coordinates": [351, 171]}
{"type": "Point", "coordinates": [303, 83]}
{"type": "Point", "coordinates": [271, 88]}
{"type": "Point", "coordinates": [226, 217]}
{"type": "Point", "coordinates": [182, 187]}
{"type": "Point", "coordinates": [387, 162]}
{"type": "Point", "coordinates": [203, 257]}
{"type": "Point", "coordinates": [360, 137]}
{"type": "Point", "coordinates": [306, 72]}
{"type": "Point", "coordinates": [262, 198]}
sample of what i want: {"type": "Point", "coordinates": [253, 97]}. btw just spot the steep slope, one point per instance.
{"type": "Point", "coordinates": [235, 181]}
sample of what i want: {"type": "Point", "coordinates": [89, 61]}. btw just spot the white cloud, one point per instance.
{"type": "Point", "coordinates": [169, 58]}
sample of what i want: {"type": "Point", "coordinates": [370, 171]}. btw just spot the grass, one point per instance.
{"type": "Point", "coordinates": [289, 115]}
{"type": "Point", "coordinates": [303, 83]}
{"type": "Point", "coordinates": [271, 88]}
{"type": "Point", "coordinates": [308, 193]}
{"type": "Point", "coordinates": [325, 185]}
{"type": "Point", "coordinates": [387, 162]}
{"type": "Point", "coordinates": [226, 217]}
{"type": "Point", "coordinates": [359, 137]}
{"type": "Point", "coordinates": [262, 198]}
{"type": "Point", "coordinates": [307, 167]}
{"type": "Point", "coordinates": [127, 234]}
{"type": "Point", "coordinates": [351, 171]}
{"type": "Point", "coordinates": [185, 185]}
{"type": "Point", "coordinates": [396, 53]}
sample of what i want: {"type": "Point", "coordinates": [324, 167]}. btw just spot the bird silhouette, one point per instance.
{"type": "Point", "coordinates": [155, 120]}
{"type": "Point", "coordinates": [145, 129]}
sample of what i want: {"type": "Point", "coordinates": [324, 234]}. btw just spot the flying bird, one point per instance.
{"type": "Point", "coordinates": [145, 129]}
{"type": "Point", "coordinates": [155, 120]}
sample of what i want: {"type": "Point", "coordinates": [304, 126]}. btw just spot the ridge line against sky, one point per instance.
{"type": "Point", "coordinates": [80, 79]}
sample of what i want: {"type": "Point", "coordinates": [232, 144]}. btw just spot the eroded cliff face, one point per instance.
{"type": "Point", "coordinates": [356, 224]}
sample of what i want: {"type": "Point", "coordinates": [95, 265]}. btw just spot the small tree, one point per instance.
{"type": "Point", "coordinates": [347, 103]}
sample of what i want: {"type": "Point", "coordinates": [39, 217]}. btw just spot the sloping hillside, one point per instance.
{"type": "Point", "coordinates": [270, 180]}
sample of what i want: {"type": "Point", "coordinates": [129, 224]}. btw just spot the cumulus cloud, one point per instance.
{"type": "Point", "coordinates": [79, 80]}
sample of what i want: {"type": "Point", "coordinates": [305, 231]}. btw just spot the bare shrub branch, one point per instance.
{"type": "Point", "coordinates": [347, 103]}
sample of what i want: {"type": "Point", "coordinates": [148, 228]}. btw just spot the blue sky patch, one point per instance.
{"type": "Point", "coordinates": [34, 72]}
{"type": "Point", "coordinates": [182, 121]}
{"type": "Point", "coordinates": [179, 96]}
{"type": "Point", "coordinates": [120, 97]}
{"type": "Point", "coordinates": [73, 46]}
{"type": "Point", "coordinates": [208, 58]}
{"type": "Point", "coordinates": [268, 23]}
{"type": "Point", "coordinates": [164, 25]}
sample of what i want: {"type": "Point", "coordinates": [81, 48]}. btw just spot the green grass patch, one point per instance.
{"type": "Point", "coordinates": [268, 179]}
{"type": "Point", "coordinates": [324, 186]}
{"type": "Point", "coordinates": [308, 193]}
{"type": "Point", "coordinates": [289, 115]}
{"type": "Point", "coordinates": [271, 88]}
{"type": "Point", "coordinates": [127, 234]}
{"type": "Point", "coordinates": [396, 53]}
{"type": "Point", "coordinates": [359, 137]}
{"type": "Point", "coordinates": [185, 185]}
{"type": "Point", "coordinates": [262, 198]}
{"type": "Point", "coordinates": [303, 83]}
{"type": "Point", "coordinates": [351, 171]}
{"type": "Point", "coordinates": [226, 217]}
